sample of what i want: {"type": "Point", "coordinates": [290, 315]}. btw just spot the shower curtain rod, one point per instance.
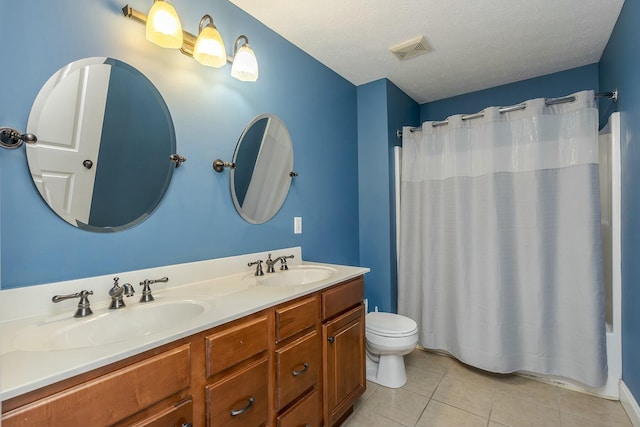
{"type": "Point", "coordinates": [551, 101]}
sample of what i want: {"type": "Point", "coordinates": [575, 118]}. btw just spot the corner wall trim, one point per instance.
{"type": "Point", "coordinates": [630, 404]}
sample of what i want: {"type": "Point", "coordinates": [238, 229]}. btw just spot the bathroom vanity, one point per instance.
{"type": "Point", "coordinates": [290, 355]}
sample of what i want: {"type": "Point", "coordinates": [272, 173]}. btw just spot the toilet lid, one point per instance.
{"type": "Point", "coordinates": [390, 324]}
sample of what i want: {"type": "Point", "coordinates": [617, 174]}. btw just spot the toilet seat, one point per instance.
{"type": "Point", "coordinates": [389, 325]}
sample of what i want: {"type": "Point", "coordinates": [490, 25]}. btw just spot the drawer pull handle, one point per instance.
{"type": "Point", "coordinates": [186, 425]}
{"type": "Point", "coordinates": [236, 412]}
{"type": "Point", "coordinates": [300, 372]}
{"type": "Point", "coordinates": [331, 339]}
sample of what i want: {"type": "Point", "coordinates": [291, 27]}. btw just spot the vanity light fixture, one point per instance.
{"type": "Point", "coordinates": [209, 49]}
{"type": "Point", "coordinates": [164, 29]}
{"type": "Point", "coordinates": [245, 64]}
{"type": "Point", "coordinates": [163, 25]}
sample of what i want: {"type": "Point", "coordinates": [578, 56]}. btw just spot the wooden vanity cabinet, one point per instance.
{"type": "Point", "coordinates": [343, 337]}
{"type": "Point", "coordinates": [300, 363]}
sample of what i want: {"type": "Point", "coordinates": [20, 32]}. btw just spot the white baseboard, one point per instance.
{"type": "Point", "coordinates": [630, 404]}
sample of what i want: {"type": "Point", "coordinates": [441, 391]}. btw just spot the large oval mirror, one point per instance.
{"type": "Point", "coordinates": [263, 163]}
{"type": "Point", "coordinates": [105, 137]}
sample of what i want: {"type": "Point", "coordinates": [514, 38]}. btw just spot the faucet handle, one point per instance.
{"type": "Point", "coordinates": [258, 265]}
{"type": "Point", "coordinates": [146, 291]}
{"type": "Point", "coordinates": [283, 262]}
{"type": "Point", "coordinates": [84, 308]}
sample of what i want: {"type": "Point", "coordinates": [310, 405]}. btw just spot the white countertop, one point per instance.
{"type": "Point", "coordinates": [230, 294]}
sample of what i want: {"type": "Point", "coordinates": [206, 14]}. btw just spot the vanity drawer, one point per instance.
{"type": "Point", "coordinates": [297, 368]}
{"type": "Point", "coordinates": [296, 317]}
{"type": "Point", "coordinates": [111, 397]}
{"type": "Point", "coordinates": [240, 399]}
{"type": "Point", "coordinates": [304, 413]}
{"type": "Point", "coordinates": [342, 297]}
{"type": "Point", "coordinates": [234, 344]}
{"type": "Point", "coordinates": [178, 415]}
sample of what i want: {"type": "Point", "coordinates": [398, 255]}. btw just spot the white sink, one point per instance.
{"type": "Point", "coordinates": [108, 326]}
{"type": "Point", "coordinates": [295, 276]}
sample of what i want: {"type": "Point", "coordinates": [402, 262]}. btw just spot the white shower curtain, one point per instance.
{"type": "Point", "coordinates": [500, 258]}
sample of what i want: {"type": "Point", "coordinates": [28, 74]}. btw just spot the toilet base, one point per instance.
{"type": "Point", "coordinates": [389, 371]}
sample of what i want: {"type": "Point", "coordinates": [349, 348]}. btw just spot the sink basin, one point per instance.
{"type": "Point", "coordinates": [295, 276]}
{"type": "Point", "coordinates": [134, 321]}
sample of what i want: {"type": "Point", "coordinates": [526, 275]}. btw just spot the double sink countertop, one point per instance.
{"type": "Point", "coordinates": [42, 343]}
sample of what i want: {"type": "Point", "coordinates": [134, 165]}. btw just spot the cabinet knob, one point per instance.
{"type": "Point", "coordinates": [331, 339]}
{"type": "Point", "coordinates": [186, 425]}
{"type": "Point", "coordinates": [236, 412]}
{"type": "Point", "coordinates": [301, 371]}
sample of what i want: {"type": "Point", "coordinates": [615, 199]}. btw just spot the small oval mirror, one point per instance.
{"type": "Point", "coordinates": [104, 140]}
{"type": "Point", "coordinates": [263, 162]}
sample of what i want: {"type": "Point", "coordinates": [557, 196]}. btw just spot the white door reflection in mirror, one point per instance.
{"type": "Point", "coordinates": [70, 122]}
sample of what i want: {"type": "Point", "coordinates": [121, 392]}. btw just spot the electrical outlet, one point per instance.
{"type": "Point", "coordinates": [297, 225]}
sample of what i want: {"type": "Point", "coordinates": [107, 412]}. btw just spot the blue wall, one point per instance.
{"type": "Point", "coordinates": [620, 68]}
{"type": "Point", "coordinates": [549, 86]}
{"type": "Point", "coordinates": [196, 220]}
{"type": "Point", "coordinates": [382, 108]}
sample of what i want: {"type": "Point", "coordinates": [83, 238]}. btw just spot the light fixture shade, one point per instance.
{"type": "Point", "coordinates": [209, 49]}
{"type": "Point", "coordinates": [163, 25]}
{"type": "Point", "coordinates": [245, 65]}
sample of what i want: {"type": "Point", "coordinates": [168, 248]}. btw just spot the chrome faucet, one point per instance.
{"type": "Point", "coordinates": [117, 292]}
{"type": "Point", "coordinates": [283, 263]}
{"type": "Point", "coordinates": [258, 265]}
{"type": "Point", "coordinates": [146, 289]}
{"type": "Point", "coordinates": [83, 305]}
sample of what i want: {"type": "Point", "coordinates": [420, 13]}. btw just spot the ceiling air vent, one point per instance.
{"type": "Point", "coordinates": [411, 48]}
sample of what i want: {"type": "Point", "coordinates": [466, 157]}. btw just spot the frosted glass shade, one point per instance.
{"type": "Point", "coordinates": [245, 65]}
{"type": "Point", "coordinates": [163, 26]}
{"type": "Point", "coordinates": [209, 49]}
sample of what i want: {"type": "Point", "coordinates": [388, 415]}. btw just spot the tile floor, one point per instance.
{"type": "Point", "coordinates": [442, 392]}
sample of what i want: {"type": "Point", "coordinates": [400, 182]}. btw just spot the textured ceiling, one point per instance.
{"type": "Point", "coordinates": [476, 44]}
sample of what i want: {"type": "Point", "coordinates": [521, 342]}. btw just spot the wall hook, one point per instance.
{"type": "Point", "coordinates": [11, 138]}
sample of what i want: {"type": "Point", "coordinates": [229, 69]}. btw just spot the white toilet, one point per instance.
{"type": "Point", "coordinates": [389, 337]}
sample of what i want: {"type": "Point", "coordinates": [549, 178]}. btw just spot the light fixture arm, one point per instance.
{"type": "Point", "coordinates": [203, 20]}
{"type": "Point", "coordinates": [236, 45]}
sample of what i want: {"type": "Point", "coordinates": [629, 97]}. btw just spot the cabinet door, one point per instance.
{"type": "Point", "coordinates": [344, 363]}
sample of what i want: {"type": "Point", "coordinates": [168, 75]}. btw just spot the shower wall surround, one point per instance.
{"type": "Point", "coordinates": [196, 220]}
